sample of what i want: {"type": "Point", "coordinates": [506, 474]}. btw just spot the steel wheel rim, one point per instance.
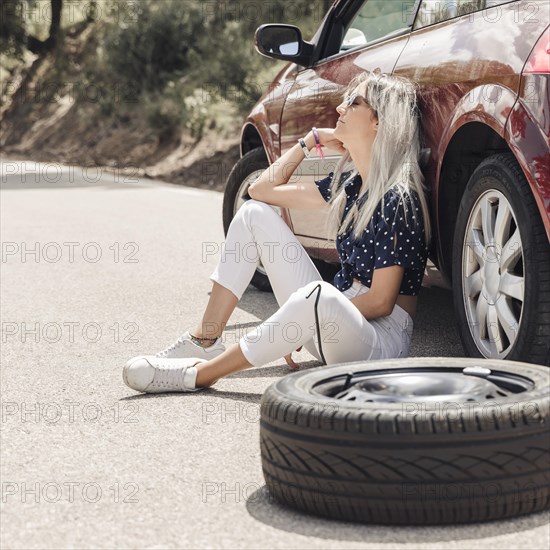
{"type": "Point", "coordinates": [240, 199]}
{"type": "Point", "coordinates": [492, 271]}
{"type": "Point", "coordinates": [429, 384]}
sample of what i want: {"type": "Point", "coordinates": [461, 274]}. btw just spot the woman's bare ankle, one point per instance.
{"type": "Point", "coordinates": [203, 341]}
{"type": "Point", "coordinates": [212, 332]}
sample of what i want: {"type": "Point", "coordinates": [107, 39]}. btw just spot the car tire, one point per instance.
{"type": "Point", "coordinates": [243, 174]}
{"type": "Point", "coordinates": [420, 460]}
{"type": "Point", "coordinates": [501, 277]}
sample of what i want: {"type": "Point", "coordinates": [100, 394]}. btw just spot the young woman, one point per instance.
{"type": "Point", "coordinates": [378, 215]}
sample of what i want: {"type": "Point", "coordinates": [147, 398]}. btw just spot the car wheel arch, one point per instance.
{"type": "Point", "coordinates": [251, 138]}
{"type": "Point", "coordinates": [471, 143]}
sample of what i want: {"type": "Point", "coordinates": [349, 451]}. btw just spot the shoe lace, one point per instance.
{"type": "Point", "coordinates": [172, 347]}
{"type": "Point", "coordinates": [169, 377]}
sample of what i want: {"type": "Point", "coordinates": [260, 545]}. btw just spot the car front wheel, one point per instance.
{"type": "Point", "coordinates": [245, 172]}
{"type": "Point", "coordinates": [501, 266]}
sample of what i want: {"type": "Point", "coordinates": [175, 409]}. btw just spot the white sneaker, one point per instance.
{"type": "Point", "coordinates": [151, 374]}
{"type": "Point", "coordinates": [185, 347]}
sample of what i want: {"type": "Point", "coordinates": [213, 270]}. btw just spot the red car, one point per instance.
{"type": "Point", "coordinates": [483, 73]}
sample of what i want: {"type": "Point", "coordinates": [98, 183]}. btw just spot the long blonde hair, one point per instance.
{"type": "Point", "coordinates": [394, 156]}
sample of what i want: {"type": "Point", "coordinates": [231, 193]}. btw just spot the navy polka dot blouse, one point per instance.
{"type": "Point", "coordinates": [375, 249]}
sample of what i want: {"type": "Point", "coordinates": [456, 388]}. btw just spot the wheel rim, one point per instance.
{"type": "Point", "coordinates": [241, 198]}
{"type": "Point", "coordinates": [474, 384]}
{"type": "Point", "coordinates": [493, 285]}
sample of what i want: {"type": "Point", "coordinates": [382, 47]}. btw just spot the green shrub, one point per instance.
{"type": "Point", "coordinates": [163, 112]}
{"type": "Point", "coordinates": [154, 46]}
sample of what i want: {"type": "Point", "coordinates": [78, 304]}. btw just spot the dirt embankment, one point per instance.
{"type": "Point", "coordinates": [43, 119]}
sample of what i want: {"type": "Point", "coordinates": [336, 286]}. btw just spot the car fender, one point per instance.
{"type": "Point", "coordinates": [523, 134]}
{"type": "Point", "coordinates": [488, 104]}
{"type": "Point", "coordinates": [265, 116]}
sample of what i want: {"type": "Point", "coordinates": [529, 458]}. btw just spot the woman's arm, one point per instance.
{"type": "Point", "coordinates": [282, 169]}
{"type": "Point", "coordinates": [380, 300]}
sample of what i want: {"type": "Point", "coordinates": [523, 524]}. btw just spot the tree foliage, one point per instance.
{"type": "Point", "coordinates": [176, 56]}
{"type": "Point", "coordinates": [14, 35]}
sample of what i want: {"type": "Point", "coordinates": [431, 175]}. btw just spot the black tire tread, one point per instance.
{"type": "Point", "coordinates": [353, 464]}
{"type": "Point", "coordinates": [533, 343]}
{"type": "Point", "coordinates": [251, 160]}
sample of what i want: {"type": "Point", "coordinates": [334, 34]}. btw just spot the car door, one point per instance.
{"type": "Point", "coordinates": [374, 33]}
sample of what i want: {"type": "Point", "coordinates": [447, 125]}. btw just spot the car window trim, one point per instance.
{"type": "Point", "coordinates": [343, 14]}
{"type": "Point", "coordinates": [460, 16]}
{"type": "Point", "coordinates": [346, 13]}
{"type": "Point", "coordinates": [396, 34]}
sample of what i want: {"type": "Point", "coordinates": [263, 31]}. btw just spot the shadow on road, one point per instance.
{"type": "Point", "coordinates": [211, 392]}
{"type": "Point", "coordinates": [274, 372]}
{"type": "Point", "coordinates": [262, 506]}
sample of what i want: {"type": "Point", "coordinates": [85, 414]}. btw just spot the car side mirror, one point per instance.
{"type": "Point", "coordinates": [283, 42]}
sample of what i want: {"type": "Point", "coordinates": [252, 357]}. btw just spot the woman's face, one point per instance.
{"type": "Point", "coordinates": [358, 122]}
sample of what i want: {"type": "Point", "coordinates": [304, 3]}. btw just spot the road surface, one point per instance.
{"type": "Point", "coordinates": [99, 267]}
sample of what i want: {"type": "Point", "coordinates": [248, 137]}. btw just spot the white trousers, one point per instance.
{"type": "Point", "coordinates": [258, 232]}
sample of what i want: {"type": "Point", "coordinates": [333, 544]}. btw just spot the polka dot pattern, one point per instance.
{"type": "Point", "coordinates": [393, 238]}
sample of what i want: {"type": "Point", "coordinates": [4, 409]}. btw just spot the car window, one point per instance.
{"type": "Point", "coordinates": [375, 19]}
{"type": "Point", "coordinates": [435, 11]}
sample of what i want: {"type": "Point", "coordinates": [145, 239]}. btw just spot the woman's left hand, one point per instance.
{"type": "Point", "coordinates": [326, 139]}
{"type": "Point", "coordinates": [290, 362]}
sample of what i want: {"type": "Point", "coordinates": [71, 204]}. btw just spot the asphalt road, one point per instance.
{"type": "Point", "coordinates": [97, 268]}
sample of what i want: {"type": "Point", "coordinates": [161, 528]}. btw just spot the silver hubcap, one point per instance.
{"type": "Point", "coordinates": [492, 275]}
{"type": "Point", "coordinates": [240, 200]}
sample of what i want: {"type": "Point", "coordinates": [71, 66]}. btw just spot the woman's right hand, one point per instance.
{"type": "Point", "coordinates": [327, 139]}
{"type": "Point", "coordinates": [290, 362]}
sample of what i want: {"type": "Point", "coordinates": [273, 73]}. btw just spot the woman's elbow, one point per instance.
{"type": "Point", "coordinates": [388, 307]}
{"type": "Point", "coordinates": [385, 308]}
{"type": "Point", "coordinates": [252, 193]}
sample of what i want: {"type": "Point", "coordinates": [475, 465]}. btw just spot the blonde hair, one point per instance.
{"type": "Point", "coordinates": [394, 156]}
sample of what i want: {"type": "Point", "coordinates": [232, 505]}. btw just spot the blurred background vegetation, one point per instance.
{"type": "Point", "coordinates": [179, 65]}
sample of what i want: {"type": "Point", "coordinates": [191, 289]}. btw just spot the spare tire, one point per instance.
{"type": "Point", "coordinates": [425, 440]}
